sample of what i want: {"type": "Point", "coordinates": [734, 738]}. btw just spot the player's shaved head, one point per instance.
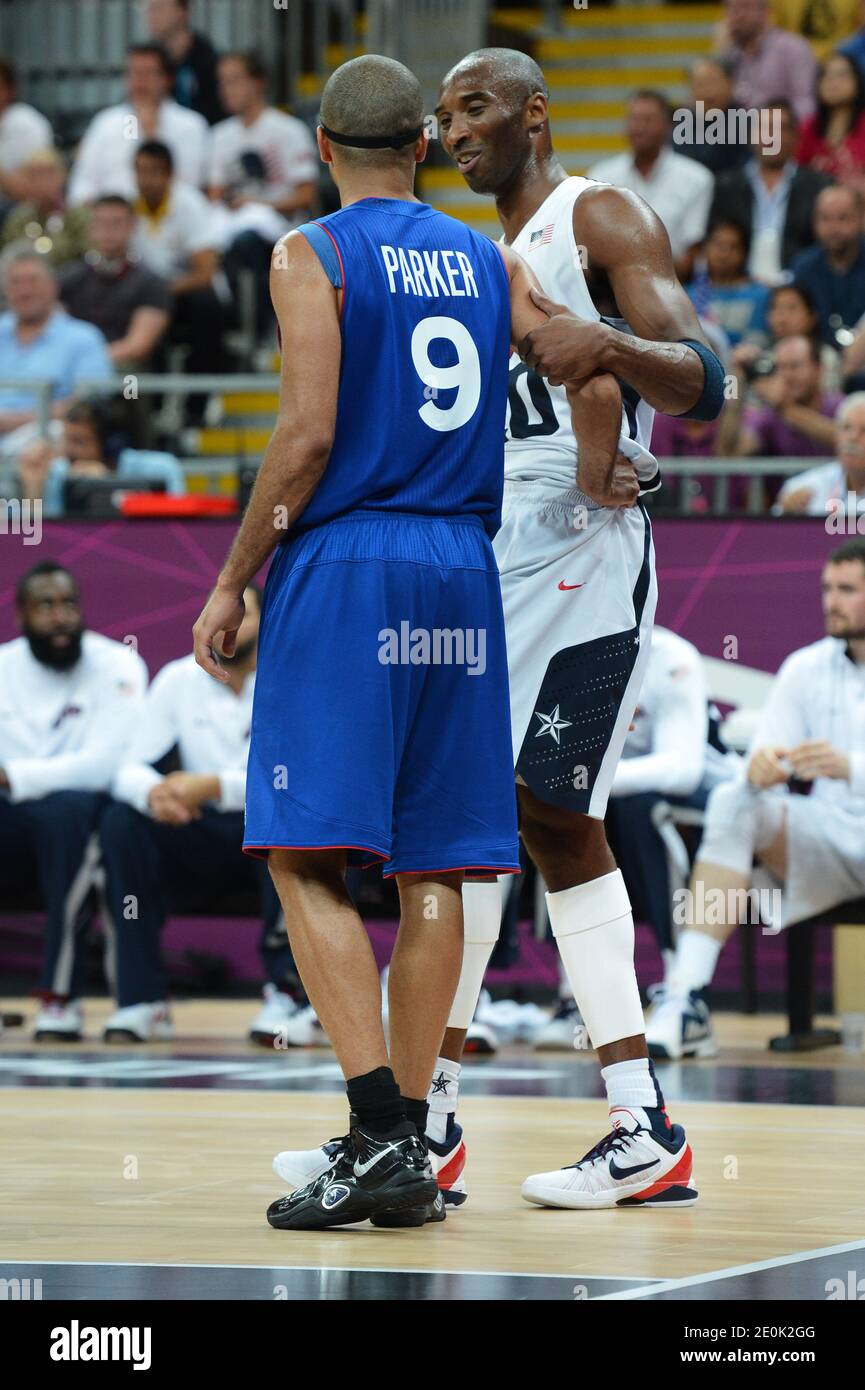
{"type": "Point", "coordinates": [493, 120]}
{"type": "Point", "coordinates": [372, 96]}
{"type": "Point", "coordinates": [513, 76]}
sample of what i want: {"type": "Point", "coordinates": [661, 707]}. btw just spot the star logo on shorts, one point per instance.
{"type": "Point", "coordinates": [440, 1084]}
{"type": "Point", "coordinates": [551, 724]}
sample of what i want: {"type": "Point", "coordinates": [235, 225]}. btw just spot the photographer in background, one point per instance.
{"type": "Point", "coordinates": [795, 414]}
{"type": "Point", "coordinates": [93, 444]}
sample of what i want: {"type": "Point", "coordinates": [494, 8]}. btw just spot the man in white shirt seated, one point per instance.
{"type": "Point", "coordinates": [104, 163]}
{"type": "Point", "coordinates": [832, 488]}
{"type": "Point", "coordinates": [810, 738]}
{"type": "Point", "coordinates": [264, 167]}
{"type": "Point", "coordinates": [23, 131]}
{"type": "Point", "coordinates": [672, 754]}
{"type": "Point", "coordinates": [69, 700]}
{"type": "Point", "coordinates": [176, 237]}
{"type": "Point", "coordinates": [678, 189]}
{"type": "Point", "coordinates": [170, 835]}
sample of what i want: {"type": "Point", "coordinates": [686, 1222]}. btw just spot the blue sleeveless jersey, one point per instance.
{"type": "Point", "coordinates": [424, 373]}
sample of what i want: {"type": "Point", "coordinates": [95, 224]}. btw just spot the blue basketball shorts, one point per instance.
{"type": "Point", "coordinates": [381, 720]}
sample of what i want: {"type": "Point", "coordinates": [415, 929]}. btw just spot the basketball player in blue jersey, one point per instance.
{"type": "Point", "coordinates": [381, 718]}
{"type": "Point", "coordinates": [579, 596]}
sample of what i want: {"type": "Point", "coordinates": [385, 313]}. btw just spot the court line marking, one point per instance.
{"type": "Point", "coordinates": [732, 1271]}
{"type": "Point", "coordinates": [328, 1269]}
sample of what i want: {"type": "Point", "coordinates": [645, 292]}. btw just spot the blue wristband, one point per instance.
{"type": "Point", "coordinates": [711, 400]}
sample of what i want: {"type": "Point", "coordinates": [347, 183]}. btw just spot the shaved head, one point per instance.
{"type": "Point", "coordinates": [372, 96]}
{"type": "Point", "coordinates": [513, 76]}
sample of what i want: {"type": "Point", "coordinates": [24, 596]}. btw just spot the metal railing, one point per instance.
{"type": "Point", "coordinates": [676, 472]}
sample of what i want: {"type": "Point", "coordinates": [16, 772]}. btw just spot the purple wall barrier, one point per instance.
{"type": "Point", "coordinates": [757, 579]}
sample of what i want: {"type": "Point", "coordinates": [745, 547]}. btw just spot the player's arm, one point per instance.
{"type": "Point", "coordinates": [596, 403]}
{"type": "Point", "coordinates": [625, 240]}
{"type": "Point", "coordinates": [306, 307]}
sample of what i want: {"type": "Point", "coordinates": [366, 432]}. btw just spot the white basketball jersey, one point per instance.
{"type": "Point", "coordinates": [540, 443]}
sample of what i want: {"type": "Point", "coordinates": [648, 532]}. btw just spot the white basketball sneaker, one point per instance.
{"type": "Point", "coordinates": [679, 1025]}
{"type": "Point", "coordinates": [140, 1023]}
{"type": "Point", "coordinates": [59, 1021]}
{"type": "Point", "coordinates": [303, 1030]}
{"type": "Point", "coordinates": [633, 1166]}
{"type": "Point", "coordinates": [299, 1167]}
{"type": "Point", "coordinates": [558, 1031]}
{"type": "Point", "coordinates": [269, 1023]}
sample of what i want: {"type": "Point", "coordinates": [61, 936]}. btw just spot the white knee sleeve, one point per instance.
{"type": "Point", "coordinates": [482, 919]}
{"type": "Point", "coordinates": [594, 931]}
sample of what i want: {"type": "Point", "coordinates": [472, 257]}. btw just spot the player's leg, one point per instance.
{"type": "Point", "coordinates": [741, 824]}
{"type": "Point", "coordinates": [382, 1166]}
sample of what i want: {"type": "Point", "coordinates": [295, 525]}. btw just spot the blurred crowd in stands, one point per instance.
{"type": "Point", "coordinates": [149, 250]}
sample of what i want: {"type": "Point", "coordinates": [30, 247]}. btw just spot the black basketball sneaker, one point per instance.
{"type": "Point", "coordinates": [370, 1175]}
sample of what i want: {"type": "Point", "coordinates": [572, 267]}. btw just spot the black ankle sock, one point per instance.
{"type": "Point", "coordinates": [416, 1111]}
{"type": "Point", "coordinates": [375, 1100]}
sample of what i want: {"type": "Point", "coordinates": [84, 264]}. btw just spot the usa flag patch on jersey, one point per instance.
{"type": "Point", "coordinates": [544, 237]}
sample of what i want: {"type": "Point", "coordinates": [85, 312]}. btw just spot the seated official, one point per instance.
{"type": "Point", "coordinates": [90, 445]}
{"type": "Point", "coordinates": [810, 738]}
{"type": "Point", "coordinates": [69, 700]}
{"type": "Point", "coordinates": [169, 836]}
{"type": "Point", "coordinates": [837, 487]}
{"type": "Point", "coordinates": [113, 290]}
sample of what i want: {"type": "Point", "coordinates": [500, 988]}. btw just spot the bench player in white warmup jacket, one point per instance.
{"type": "Point", "coordinates": [579, 598]}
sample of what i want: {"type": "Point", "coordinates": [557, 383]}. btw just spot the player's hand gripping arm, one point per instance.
{"type": "Point", "coordinates": [307, 310]}
{"type": "Point", "coordinates": [623, 239]}
{"type": "Point", "coordinates": [603, 474]}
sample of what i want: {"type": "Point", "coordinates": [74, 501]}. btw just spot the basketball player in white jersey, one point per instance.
{"type": "Point", "coordinates": [579, 598]}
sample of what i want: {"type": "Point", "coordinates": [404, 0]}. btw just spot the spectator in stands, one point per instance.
{"type": "Point", "coordinates": [811, 729]}
{"type": "Point", "coordinates": [192, 54]}
{"type": "Point", "coordinates": [175, 237]}
{"type": "Point", "coordinates": [104, 163]}
{"type": "Point", "coordinates": [92, 445]}
{"type": "Point", "coordinates": [833, 139]}
{"type": "Point", "coordinates": [711, 85]}
{"type": "Point", "coordinates": [71, 700]}
{"type": "Point", "coordinates": [23, 131]}
{"type": "Point", "coordinates": [767, 62]}
{"type": "Point", "coordinates": [677, 188]}
{"type": "Point", "coordinates": [264, 167]}
{"type": "Point", "coordinates": [833, 270]}
{"type": "Point", "coordinates": [790, 314]}
{"type": "Point", "coordinates": [734, 301]}
{"type": "Point", "coordinates": [111, 289]}
{"type": "Point", "coordinates": [832, 487]}
{"type": "Point", "coordinates": [44, 218]}
{"type": "Point", "coordinates": [771, 197]}
{"type": "Point", "coordinates": [40, 342]}
{"type": "Point", "coordinates": [173, 834]}
{"type": "Point", "coordinates": [795, 417]}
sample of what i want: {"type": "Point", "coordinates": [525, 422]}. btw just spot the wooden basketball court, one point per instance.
{"type": "Point", "coordinates": [145, 1173]}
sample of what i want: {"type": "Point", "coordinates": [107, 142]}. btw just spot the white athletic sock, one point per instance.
{"type": "Point", "coordinates": [696, 957]}
{"type": "Point", "coordinates": [594, 931]}
{"type": "Point", "coordinates": [482, 919]}
{"type": "Point", "coordinates": [442, 1097]}
{"type": "Point", "coordinates": [565, 991]}
{"type": "Point", "coordinates": [631, 1083]}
